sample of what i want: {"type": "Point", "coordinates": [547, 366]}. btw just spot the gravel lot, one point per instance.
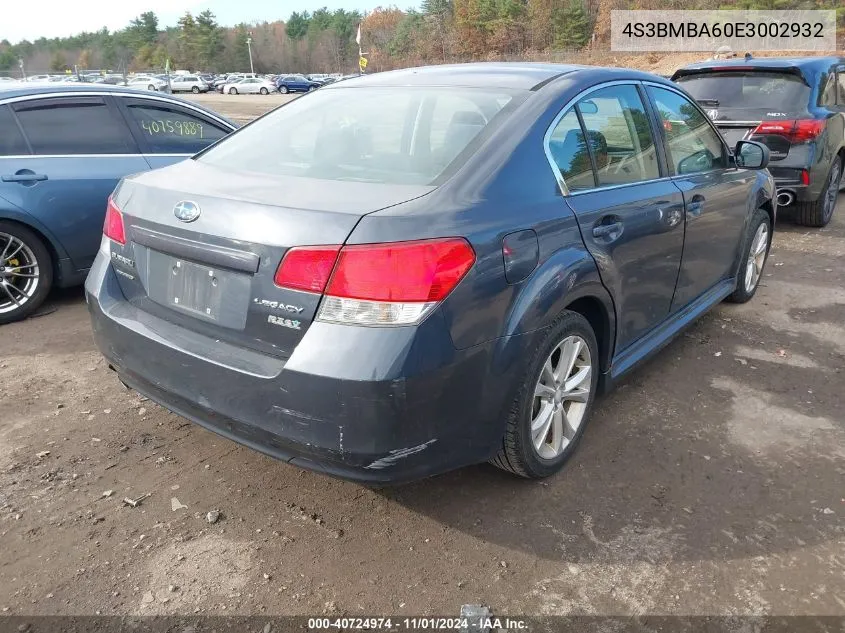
{"type": "Point", "coordinates": [709, 482]}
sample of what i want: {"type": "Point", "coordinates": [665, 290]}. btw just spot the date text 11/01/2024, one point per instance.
{"type": "Point", "coordinates": [182, 128]}
{"type": "Point", "coordinates": [478, 623]}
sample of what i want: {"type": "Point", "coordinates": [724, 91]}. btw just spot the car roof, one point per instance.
{"type": "Point", "coordinates": [767, 62]}
{"type": "Point", "coordinates": [515, 75]}
{"type": "Point", "coordinates": [13, 91]}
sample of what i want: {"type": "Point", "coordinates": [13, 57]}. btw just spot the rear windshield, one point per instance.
{"type": "Point", "coordinates": [374, 134]}
{"type": "Point", "coordinates": [749, 90]}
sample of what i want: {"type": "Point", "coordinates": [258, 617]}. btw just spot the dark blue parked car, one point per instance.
{"type": "Point", "coordinates": [418, 270]}
{"type": "Point", "coordinates": [62, 151]}
{"type": "Point", "coordinates": [796, 106]}
{"type": "Point", "coordinates": [296, 83]}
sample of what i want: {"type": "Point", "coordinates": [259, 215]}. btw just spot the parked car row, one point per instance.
{"type": "Point", "coordinates": [636, 216]}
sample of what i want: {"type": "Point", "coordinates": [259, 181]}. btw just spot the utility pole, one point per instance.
{"type": "Point", "coordinates": [249, 48]}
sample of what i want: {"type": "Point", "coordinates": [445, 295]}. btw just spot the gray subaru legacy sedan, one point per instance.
{"type": "Point", "coordinates": [409, 272]}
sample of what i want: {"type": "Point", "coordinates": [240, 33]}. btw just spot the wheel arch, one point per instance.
{"type": "Point", "coordinates": [53, 246]}
{"type": "Point", "coordinates": [567, 280]}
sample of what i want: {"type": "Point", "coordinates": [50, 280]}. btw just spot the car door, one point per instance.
{"type": "Point", "coordinates": [717, 194]}
{"type": "Point", "coordinates": [630, 214]}
{"type": "Point", "coordinates": [80, 148]}
{"type": "Point", "coordinates": [168, 132]}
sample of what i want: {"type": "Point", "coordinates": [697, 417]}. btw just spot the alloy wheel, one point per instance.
{"type": "Point", "coordinates": [756, 257]}
{"type": "Point", "coordinates": [832, 192]}
{"type": "Point", "coordinates": [19, 273]}
{"type": "Point", "coordinates": [561, 396]}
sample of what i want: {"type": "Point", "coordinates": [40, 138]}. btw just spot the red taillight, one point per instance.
{"type": "Point", "coordinates": [797, 131]}
{"type": "Point", "coordinates": [422, 271]}
{"type": "Point", "coordinates": [306, 268]}
{"type": "Point", "coordinates": [805, 177]}
{"type": "Point", "coordinates": [113, 226]}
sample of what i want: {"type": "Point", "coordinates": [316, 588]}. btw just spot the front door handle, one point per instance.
{"type": "Point", "coordinates": [23, 178]}
{"type": "Point", "coordinates": [608, 230]}
{"type": "Point", "coordinates": [696, 206]}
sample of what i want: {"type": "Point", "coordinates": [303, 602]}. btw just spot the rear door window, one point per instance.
{"type": "Point", "coordinates": [73, 126]}
{"type": "Point", "coordinates": [168, 129]}
{"type": "Point", "coordinates": [12, 142]}
{"type": "Point", "coordinates": [692, 143]}
{"type": "Point", "coordinates": [619, 135]}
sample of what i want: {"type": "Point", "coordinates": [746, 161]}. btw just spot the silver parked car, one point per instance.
{"type": "Point", "coordinates": [250, 86]}
{"type": "Point", "coordinates": [188, 83]}
{"type": "Point", "coordinates": [153, 84]}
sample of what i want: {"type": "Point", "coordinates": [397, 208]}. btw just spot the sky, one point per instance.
{"type": "Point", "coordinates": [58, 18]}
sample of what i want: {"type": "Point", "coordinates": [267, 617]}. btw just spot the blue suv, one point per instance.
{"type": "Point", "coordinates": [62, 151]}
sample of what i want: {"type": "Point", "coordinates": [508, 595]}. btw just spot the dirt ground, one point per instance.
{"type": "Point", "coordinates": [709, 482]}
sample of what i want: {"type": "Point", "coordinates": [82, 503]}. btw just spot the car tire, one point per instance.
{"type": "Point", "coordinates": [151, 88]}
{"type": "Point", "coordinates": [311, 88]}
{"type": "Point", "coordinates": [32, 248]}
{"type": "Point", "coordinates": [264, 91]}
{"type": "Point", "coordinates": [819, 212]}
{"type": "Point", "coordinates": [195, 90]}
{"type": "Point", "coordinates": [233, 91]}
{"type": "Point", "coordinates": [525, 451]}
{"type": "Point", "coordinates": [757, 236]}
{"type": "Point", "coordinates": [283, 89]}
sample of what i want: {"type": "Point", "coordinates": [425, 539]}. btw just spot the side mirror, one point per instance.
{"type": "Point", "coordinates": [751, 155]}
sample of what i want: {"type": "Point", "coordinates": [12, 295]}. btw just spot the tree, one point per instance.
{"type": "Point", "coordinates": [209, 40]}
{"type": "Point", "coordinates": [58, 62]}
{"type": "Point", "coordinates": [84, 59]}
{"type": "Point", "coordinates": [297, 25]}
{"type": "Point", "coordinates": [571, 25]}
{"type": "Point", "coordinates": [188, 41]}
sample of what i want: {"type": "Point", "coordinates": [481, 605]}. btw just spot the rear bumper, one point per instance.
{"type": "Point", "coordinates": [424, 407]}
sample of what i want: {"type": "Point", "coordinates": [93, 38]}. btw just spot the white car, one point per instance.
{"type": "Point", "coordinates": [147, 83]}
{"type": "Point", "coordinates": [188, 83]}
{"type": "Point", "coordinates": [250, 86]}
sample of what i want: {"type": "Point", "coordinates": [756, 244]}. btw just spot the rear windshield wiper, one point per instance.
{"type": "Point", "coordinates": [709, 103]}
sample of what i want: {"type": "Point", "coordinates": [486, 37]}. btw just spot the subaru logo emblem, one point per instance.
{"type": "Point", "coordinates": [187, 211]}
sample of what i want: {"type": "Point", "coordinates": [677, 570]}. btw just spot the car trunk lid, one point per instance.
{"type": "Point", "coordinates": [214, 273]}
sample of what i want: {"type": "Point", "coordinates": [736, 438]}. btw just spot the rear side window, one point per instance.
{"type": "Point", "coordinates": [171, 131]}
{"type": "Point", "coordinates": [828, 94]}
{"type": "Point", "coordinates": [12, 142]}
{"type": "Point", "coordinates": [753, 90]}
{"type": "Point", "coordinates": [391, 135]}
{"type": "Point", "coordinates": [840, 82]}
{"type": "Point", "coordinates": [693, 145]}
{"type": "Point", "coordinates": [619, 136]}
{"type": "Point", "coordinates": [83, 125]}
{"type": "Point", "coordinates": [568, 150]}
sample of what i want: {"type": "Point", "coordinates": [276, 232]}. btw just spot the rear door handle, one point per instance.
{"type": "Point", "coordinates": [607, 230]}
{"type": "Point", "coordinates": [24, 178]}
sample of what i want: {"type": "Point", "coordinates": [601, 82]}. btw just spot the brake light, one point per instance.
{"type": "Point", "coordinates": [805, 177]}
{"type": "Point", "coordinates": [796, 130]}
{"type": "Point", "coordinates": [306, 268]}
{"type": "Point", "coordinates": [113, 226]}
{"type": "Point", "coordinates": [425, 270]}
{"type": "Point", "coordinates": [397, 283]}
